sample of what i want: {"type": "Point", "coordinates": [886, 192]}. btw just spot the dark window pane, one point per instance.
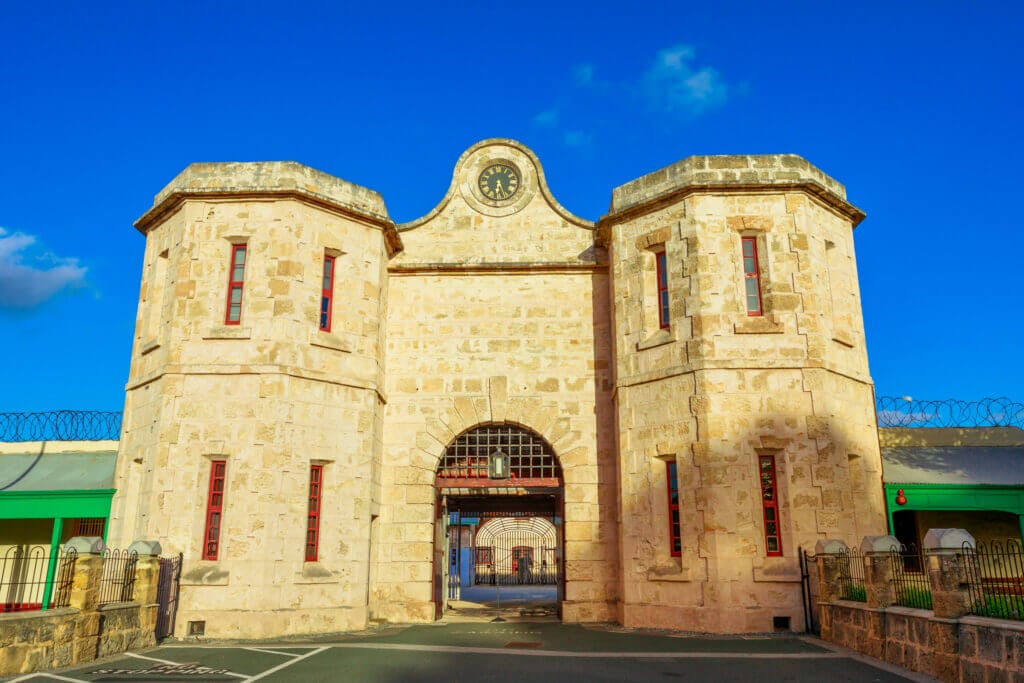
{"type": "Point", "coordinates": [773, 545]}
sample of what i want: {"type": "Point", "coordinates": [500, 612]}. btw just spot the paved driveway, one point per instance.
{"type": "Point", "coordinates": [522, 652]}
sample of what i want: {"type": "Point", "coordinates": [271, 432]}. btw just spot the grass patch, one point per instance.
{"type": "Point", "coordinates": [1002, 607]}
{"type": "Point", "coordinates": [855, 592]}
{"type": "Point", "coordinates": [913, 596]}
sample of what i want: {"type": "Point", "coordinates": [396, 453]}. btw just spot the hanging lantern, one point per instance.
{"type": "Point", "coordinates": [497, 465]}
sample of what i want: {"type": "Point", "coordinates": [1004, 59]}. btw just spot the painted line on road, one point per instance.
{"type": "Point", "coordinates": [29, 677]}
{"type": "Point", "coordinates": [167, 661]}
{"type": "Point", "coordinates": [285, 665]}
{"type": "Point", "coordinates": [271, 652]}
{"type": "Point", "coordinates": [594, 655]}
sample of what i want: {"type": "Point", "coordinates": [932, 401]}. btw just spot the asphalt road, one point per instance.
{"type": "Point", "coordinates": [514, 652]}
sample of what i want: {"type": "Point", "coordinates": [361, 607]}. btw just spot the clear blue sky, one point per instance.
{"type": "Point", "coordinates": [916, 109]}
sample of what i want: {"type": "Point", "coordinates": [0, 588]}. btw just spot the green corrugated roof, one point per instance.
{"type": "Point", "coordinates": [58, 471]}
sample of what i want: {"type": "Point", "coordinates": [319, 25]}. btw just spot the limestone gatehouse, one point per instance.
{"type": "Point", "coordinates": [680, 389]}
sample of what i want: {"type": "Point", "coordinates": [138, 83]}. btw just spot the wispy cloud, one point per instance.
{"type": "Point", "coordinates": [674, 84]}
{"type": "Point", "coordinates": [27, 283]}
{"type": "Point", "coordinates": [547, 118]}
{"type": "Point", "coordinates": [674, 87]}
{"type": "Point", "coordinates": [583, 74]}
{"type": "Point", "coordinates": [576, 138]}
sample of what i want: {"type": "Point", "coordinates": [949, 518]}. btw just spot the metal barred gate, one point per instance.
{"type": "Point", "coordinates": [502, 548]}
{"type": "Point", "coordinates": [167, 595]}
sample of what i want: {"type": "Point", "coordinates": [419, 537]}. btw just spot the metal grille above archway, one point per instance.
{"type": "Point", "coordinates": [531, 462]}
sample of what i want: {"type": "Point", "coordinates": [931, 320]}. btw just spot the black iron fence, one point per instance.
{"type": "Point", "coordinates": [904, 411]}
{"type": "Point", "coordinates": [167, 595]}
{"type": "Point", "coordinates": [61, 425]}
{"type": "Point", "coordinates": [995, 577]}
{"type": "Point", "coordinates": [851, 578]}
{"type": "Point", "coordinates": [24, 574]}
{"type": "Point", "coordinates": [118, 581]}
{"type": "Point", "coordinates": [910, 577]}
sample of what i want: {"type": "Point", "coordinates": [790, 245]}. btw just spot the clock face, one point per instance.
{"type": "Point", "coordinates": [499, 181]}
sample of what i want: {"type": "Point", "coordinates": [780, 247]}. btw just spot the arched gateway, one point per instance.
{"type": "Point", "coordinates": [491, 477]}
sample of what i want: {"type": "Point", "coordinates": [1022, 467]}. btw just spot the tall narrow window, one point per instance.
{"type": "Point", "coordinates": [214, 510]}
{"type": "Point", "coordinates": [659, 259]}
{"type": "Point", "coordinates": [236, 280]}
{"type": "Point", "coordinates": [316, 473]}
{"type": "Point", "coordinates": [327, 293]}
{"type": "Point", "coordinates": [770, 505]}
{"type": "Point", "coordinates": [751, 276]}
{"type": "Point", "coordinates": [675, 538]}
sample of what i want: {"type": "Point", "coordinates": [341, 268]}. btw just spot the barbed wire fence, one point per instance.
{"type": "Point", "coordinates": [896, 411]}
{"type": "Point", "coordinates": [892, 411]}
{"type": "Point", "coordinates": [61, 425]}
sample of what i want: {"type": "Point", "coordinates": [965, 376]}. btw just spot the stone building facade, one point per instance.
{"type": "Point", "coordinates": [636, 348]}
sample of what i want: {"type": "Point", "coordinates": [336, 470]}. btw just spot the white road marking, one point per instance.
{"type": "Point", "coordinates": [271, 652]}
{"type": "Point", "coordinates": [167, 661]}
{"type": "Point", "coordinates": [29, 677]}
{"type": "Point", "coordinates": [594, 655]}
{"type": "Point", "coordinates": [152, 659]}
{"type": "Point", "coordinates": [286, 664]}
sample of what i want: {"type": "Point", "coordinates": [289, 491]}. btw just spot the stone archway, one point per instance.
{"type": "Point", "coordinates": [498, 476]}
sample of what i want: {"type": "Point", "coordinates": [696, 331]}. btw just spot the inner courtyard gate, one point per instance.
{"type": "Point", "coordinates": [499, 516]}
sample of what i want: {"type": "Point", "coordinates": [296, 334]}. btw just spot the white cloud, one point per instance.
{"type": "Point", "coordinates": [547, 118]}
{"type": "Point", "coordinates": [576, 138]}
{"type": "Point", "coordinates": [583, 74]}
{"type": "Point", "coordinates": [26, 285]}
{"type": "Point", "coordinates": [675, 85]}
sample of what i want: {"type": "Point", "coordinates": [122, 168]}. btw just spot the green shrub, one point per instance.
{"type": "Point", "coordinates": [1002, 607]}
{"type": "Point", "coordinates": [914, 596]}
{"type": "Point", "coordinates": [855, 592]}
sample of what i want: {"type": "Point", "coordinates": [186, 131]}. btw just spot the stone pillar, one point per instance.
{"type": "Point", "coordinates": [147, 580]}
{"type": "Point", "coordinates": [950, 571]}
{"type": "Point", "coordinates": [85, 595]}
{"type": "Point", "coordinates": [878, 572]}
{"type": "Point", "coordinates": [830, 555]}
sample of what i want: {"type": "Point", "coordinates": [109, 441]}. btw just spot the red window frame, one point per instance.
{"type": "Point", "coordinates": [752, 277]}
{"type": "Point", "coordinates": [327, 293]}
{"type": "Point", "coordinates": [770, 505]}
{"type": "Point", "coordinates": [484, 555]}
{"type": "Point", "coordinates": [661, 266]}
{"type": "Point", "coordinates": [236, 282]}
{"type": "Point", "coordinates": [214, 510]}
{"type": "Point", "coordinates": [316, 482]}
{"type": "Point", "coordinates": [675, 545]}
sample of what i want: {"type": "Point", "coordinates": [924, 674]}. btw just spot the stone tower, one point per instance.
{"type": "Point", "coordinates": [261, 391]}
{"type": "Point", "coordinates": [741, 368]}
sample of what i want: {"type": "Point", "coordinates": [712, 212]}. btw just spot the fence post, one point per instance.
{"type": "Point", "coordinates": [830, 554]}
{"type": "Point", "coordinates": [948, 573]}
{"type": "Point", "coordinates": [85, 595]}
{"type": "Point", "coordinates": [147, 581]}
{"type": "Point", "coordinates": [878, 574]}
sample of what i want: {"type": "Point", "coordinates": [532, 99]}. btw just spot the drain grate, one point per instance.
{"type": "Point", "coordinates": [523, 645]}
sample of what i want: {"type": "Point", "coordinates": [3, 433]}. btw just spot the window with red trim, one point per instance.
{"type": "Point", "coordinates": [327, 293]}
{"type": "Point", "coordinates": [236, 281]}
{"type": "Point", "coordinates": [484, 555]}
{"type": "Point", "coordinates": [316, 473]}
{"type": "Point", "coordinates": [770, 505]}
{"type": "Point", "coordinates": [675, 538]}
{"type": "Point", "coordinates": [659, 260]}
{"type": "Point", "coordinates": [751, 276]}
{"type": "Point", "coordinates": [214, 510]}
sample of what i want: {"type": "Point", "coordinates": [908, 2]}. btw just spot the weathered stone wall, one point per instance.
{"type": "Point", "coordinates": [270, 396]}
{"type": "Point", "coordinates": [45, 640]}
{"type": "Point", "coordinates": [719, 387]}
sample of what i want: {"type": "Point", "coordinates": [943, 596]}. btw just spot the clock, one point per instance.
{"type": "Point", "coordinates": [499, 181]}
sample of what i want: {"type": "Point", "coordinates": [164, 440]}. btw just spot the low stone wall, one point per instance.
{"type": "Point", "coordinates": [946, 643]}
{"type": "Point", "coordinates": [51, 639]}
